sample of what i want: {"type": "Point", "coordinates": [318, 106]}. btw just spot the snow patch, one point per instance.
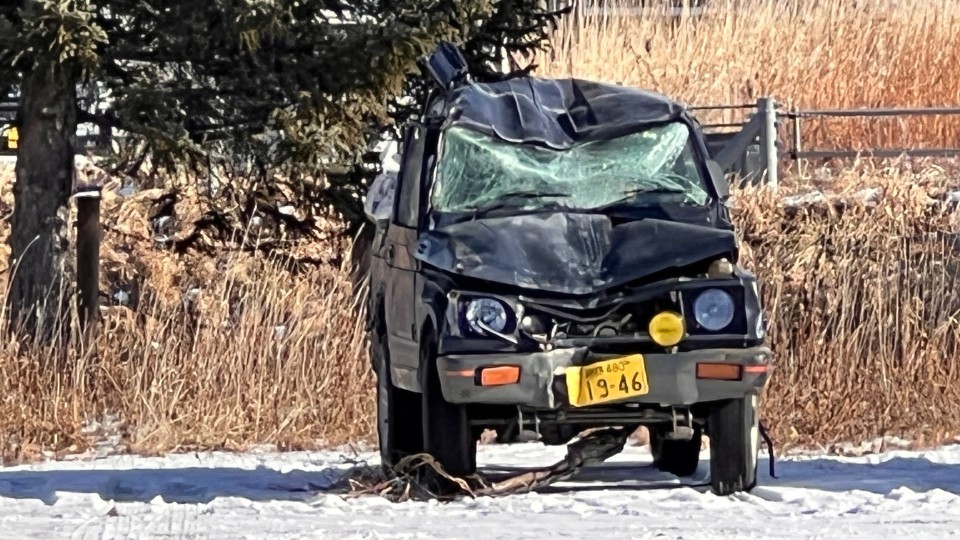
{"type": "Point", "coordinates": [262, 494]}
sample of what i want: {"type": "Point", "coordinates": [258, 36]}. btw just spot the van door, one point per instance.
{"type": "Point", "coordinates": [397, 252]}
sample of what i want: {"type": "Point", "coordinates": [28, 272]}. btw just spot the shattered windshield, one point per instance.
{"type": "Point", "coordinates": [653, 167]}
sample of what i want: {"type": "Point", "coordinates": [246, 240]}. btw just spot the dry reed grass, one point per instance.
{"type": "Point", "coordinates": [828, 54]}
{"type": "Point", "coordinates": [208, 353]}
{"type": "Point", "coordinates": [267, 362]}
{"type": "Point", "coordinates": [863, 306]}
{"type": "Point", "coordinates": [862, 296]}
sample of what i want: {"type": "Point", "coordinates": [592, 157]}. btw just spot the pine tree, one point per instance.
{"type": "Point", "coordinates": [291, 85]}
{"type": "Point", "coordinates": [494, 50]}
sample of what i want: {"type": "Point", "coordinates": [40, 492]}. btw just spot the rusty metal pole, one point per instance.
{"type": "Point", "coordinates": [797, 140]}
{"type": "Point", "coordinates": [768, 139]}
{"type": "Point", "coordinates": [88, 256]}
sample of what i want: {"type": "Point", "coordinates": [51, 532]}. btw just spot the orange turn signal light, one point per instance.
{"type": "Point", "coordinates": [720, 372]}
{"type": "Point", "coordinates": [756, 369]}
{"type": "Point", "coordinates": [499, 375]}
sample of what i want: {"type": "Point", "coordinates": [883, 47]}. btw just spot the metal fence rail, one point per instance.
{"type": "Point", "coordinates": [797, 151]}
{"type": "Point", "coordinates": [753, 149]}
{"type": "Point", "coordinates": [749, 149]}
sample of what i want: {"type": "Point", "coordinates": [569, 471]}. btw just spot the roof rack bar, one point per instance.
{"type": "Point", "coordinates": [721, 107]}
{"type": "Point", "coordinates": [873, 112]}
{"type": "Point", "coordinates": [879, 153]}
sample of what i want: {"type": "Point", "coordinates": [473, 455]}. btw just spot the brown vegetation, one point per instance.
{"type": "Point", "coordinates": [232, 349]}
{"type": "Point", "coordinates": [811, 55]}
{"type": "Point", "coordinates": [205, 352]}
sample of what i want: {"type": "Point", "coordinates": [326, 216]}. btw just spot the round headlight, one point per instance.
{"type": "Point", "coordinates": [488, 311]}
{"type": "Point", "coordinates": [714, 309]}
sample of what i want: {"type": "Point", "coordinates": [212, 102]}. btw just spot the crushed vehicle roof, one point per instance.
{"type": "Point", "coordinates": [557, 113]}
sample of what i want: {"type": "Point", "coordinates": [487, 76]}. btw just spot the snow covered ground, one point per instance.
{"type": "Point", "coordinates": [267, 495]}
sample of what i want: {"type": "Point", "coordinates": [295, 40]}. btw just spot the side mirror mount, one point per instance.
{"type": "Point", "coordinates": [447, 65]}
{"type": "Point", "coordinates": [719, 179]}
{"type": "Point", "coordinates": [378, 204]}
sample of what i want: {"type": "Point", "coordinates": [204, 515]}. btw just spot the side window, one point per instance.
{"type": "Point", "coordinates": [408, 198]}
{"type": "Point", "coordinates": [378, 204]}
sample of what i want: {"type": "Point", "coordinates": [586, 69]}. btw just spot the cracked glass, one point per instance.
{"type": "Point", "coordinates": [652, 167]}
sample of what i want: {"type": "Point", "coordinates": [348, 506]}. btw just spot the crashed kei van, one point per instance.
{"type": "Point", "coordinates": [556, 255]}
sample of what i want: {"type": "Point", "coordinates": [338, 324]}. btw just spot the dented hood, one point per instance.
{"type": "Point", "coordinates": [569, 253]}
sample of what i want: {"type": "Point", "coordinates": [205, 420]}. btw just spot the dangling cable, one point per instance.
{"type": "Point", "coordinates": [769, 442]}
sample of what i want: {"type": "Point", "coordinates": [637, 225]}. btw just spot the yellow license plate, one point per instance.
{"type": "Point", "coordinates": [608, 380]}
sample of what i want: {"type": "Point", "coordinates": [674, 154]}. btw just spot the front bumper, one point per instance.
{"type": "Point", "coordinates": [672, 377]}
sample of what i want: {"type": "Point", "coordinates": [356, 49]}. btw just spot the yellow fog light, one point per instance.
{"type": "Point", "coordinates": [666, 328]}
{"type": "Point", "coordinates": [13, 139]}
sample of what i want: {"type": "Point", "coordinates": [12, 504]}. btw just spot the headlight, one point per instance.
{"type": "Point", "coordinates": [488, 311]}
{"type": "Point", "coordinates": [714, 309]}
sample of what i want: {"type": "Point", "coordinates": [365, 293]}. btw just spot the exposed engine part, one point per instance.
{"type": "Point", "coordinates": [720, 268]}
{"type": "Point", "coordinates": [533, 325]}
{"type": "Point", "coordinates": [612, 328]}
{"type": "Point", "coordinates": [605, 330]}
{"type": "Point", "coordinates": [522, 434]}
{"type": "Point", "coordinates": [682, 426]}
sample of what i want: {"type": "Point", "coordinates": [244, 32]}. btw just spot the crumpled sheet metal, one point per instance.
{"type": "Point", "coordinates": [557, 113]}
{"type": "Point", "coordinates": [569, 253]}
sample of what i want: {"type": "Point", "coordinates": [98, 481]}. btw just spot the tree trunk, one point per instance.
{"type": "Point", "coordinates": [45, 175]}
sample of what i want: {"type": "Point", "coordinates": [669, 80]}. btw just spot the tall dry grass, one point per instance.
{"type": "Point", "coordinates": [812, 55]}
{"type": "Point", "coordinates": [864, 306]}
{"type": "Point", "coordinates": [862, 297]}
{"type": "Point", "coordinates": [272, 362]}
{"type": "Point", "coordinates": [206, 352]}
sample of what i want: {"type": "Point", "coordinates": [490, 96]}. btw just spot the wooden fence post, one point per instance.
{"type": "Point", "coordinates": [88, 256]}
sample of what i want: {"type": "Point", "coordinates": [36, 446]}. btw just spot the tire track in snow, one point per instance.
{"type": "Point", "coordinates": [135, 521]}
{"type": "Point", "coordinates": [101, 527]}
{"type": "Point", "coordinates": [174, 521]}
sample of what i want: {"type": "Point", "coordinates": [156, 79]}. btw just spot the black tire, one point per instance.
{"type": "Point", "coordinates": [447, 435]}
{"type": "Point", "coordinates": [679, 458]}
{"type": "Point", "coordinates": [399, 428]}
{"type": "Point", "coordinates": [508, 434]}
{"type": "Point", "coordinates": [559, 434]}
{"type": "Point", "coordinates": [733, 427]}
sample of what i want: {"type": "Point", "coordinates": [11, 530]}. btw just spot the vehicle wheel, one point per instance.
{"type": "Point", "coordinates": [399, 427]}
{"type": "Point", "coordinates": [446, 429]}
{"type": "Point", "coordinates": [679, 458]}
{"type": "Point", "coordinates": [508, 433]}
{"type": "Point", "coordinates": [558, 434]}
{"type": "Point", "coordinates": [733, 427]}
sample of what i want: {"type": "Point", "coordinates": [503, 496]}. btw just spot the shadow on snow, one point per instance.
{"type": "Point", "coordinates": [917, 474]}
{"type": "Point", "coordinates": [201, 485]}
{"type": "Point", "coordinates": [190, 485]}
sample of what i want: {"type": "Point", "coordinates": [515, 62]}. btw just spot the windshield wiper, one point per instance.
{"type": "Point", "coordinates": [631, 194]}
{"type": "Point", "coordinates": [511, 199]}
